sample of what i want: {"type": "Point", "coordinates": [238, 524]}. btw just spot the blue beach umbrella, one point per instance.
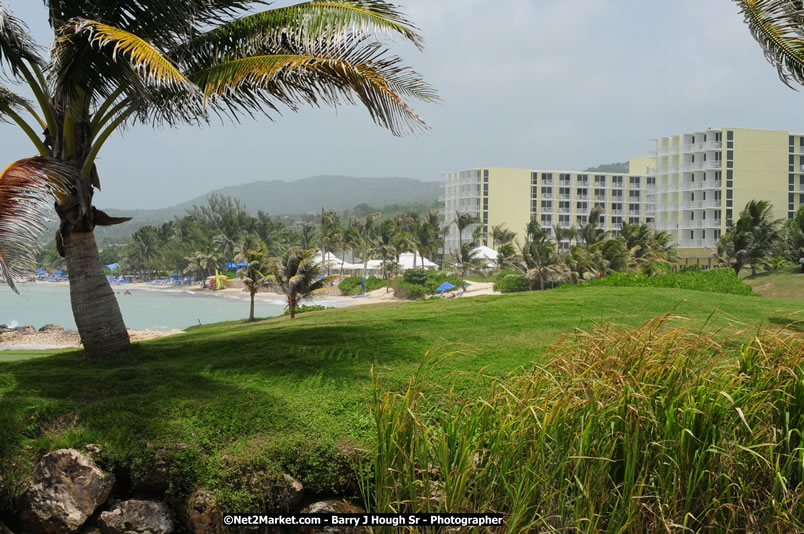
{"type": "Point", "coordinates": [242, 264]}
{"type": "Point", "coordinates": [174, 275]}
{"type": "Point", "coordinates": [40, 271]}
{"type": "Point", "coordinates": [446, 286]}
{"type": "Point", "coordinates": [113, 266]}
{"type": "Point", "coordinates": [58, 271]}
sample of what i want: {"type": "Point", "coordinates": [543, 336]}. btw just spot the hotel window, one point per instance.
{"type": "Point", "coordinates": [600, 180]}
{"type": "Point", "coordinates": [564, 205]}
{"type": "Point", "coordinates": [564, 220]}
{"type": "Point", "coordinates": [791, 163]}
{"type": "Point", "coordinates": [616, 220]}
{"type": "Point", "coordinates": [616, 207]}
{"type": "Point", "coordinates": [582, 206]}
{"type": "Point", "coordinates": [534, 206]}
{"type": "Point", "coordinates": [547, 205]}
{"type": "Point", "coordinates": [582, 219]}
{"type": "Point", "coordinates": [600, 194]}
{"type": "Point", "coordinates": [634, 195]}
{"type": "Point", "coordinates": [583, 179]}
{"type": "Point", "coordinates": [729, 179]}
{"type": "Point", "coordinates": [534, 178]}
{"type": "Point", "coordinates": [564, 191]}
{"type": "Point", "coordinates": [633, 220]}
{"type": "Point", "coordinates": [651, 180]}
{"type": "Point", "coordinates": [547, 220]}
{"type": "Point", "coordinates": [600, 205]}
{"type": "Point", "coordinates": [547, 178]}
{"type": "Point", "coordinates": [617, 181]}
{"type": "Point", "coordinates": [633, 208]}
{"type": "Point", "coordinates": [582, 193]}
{"type": "Point", "coordinates": [534, 191]}
{"type": "Point", "coordinates": [486, 176]}
{"type": "Point", "coordinates": [635, 181]}
{"type": "Point", "coordinates": [617, 195]}
{"type": "Point", "coordinates": [564, 179]}
{"type": "Point", "coordinates": [547, 191]}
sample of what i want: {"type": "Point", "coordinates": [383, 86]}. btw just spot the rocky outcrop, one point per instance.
{"type": "Point", "coordinates": [51, 328]}
{"type": "Point", "coordinates": [136, 517]}
{"type": "Point", "coordinates": [203, 516]}
{"type": "Point", "coordinates": [157, 476]}
{"type": "Point", "coordinates": [333, 506]}
{"type": "Point", "coordinates": [286, 495]}
{"type": "Point", "coordinates": [66, 489]}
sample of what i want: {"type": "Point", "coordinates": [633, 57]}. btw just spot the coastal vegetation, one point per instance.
{"type": "Point", "coordinates": [246, 400]}
{"type": "Point", "coordinates": [182, 61]}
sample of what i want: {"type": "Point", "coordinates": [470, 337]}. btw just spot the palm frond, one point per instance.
{"type": "Point", "coordinates": [153, 68]}
{"type": "Point", "coordinates": [10, 100]}
{"type": "Point", "coordinates": [337, 22]}
{"type": "Point", "coordinates": [16, 44]}
{"type": "Point", "coordinates": [362, 72]}
{"type": "Point", "coordinates": [777, 26]}
{"type": "Point", "coordinates": [26, 188]}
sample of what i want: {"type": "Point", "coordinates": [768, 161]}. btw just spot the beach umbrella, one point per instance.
{"type": "Point", "coordinates": [174, 275]}
{"type": "Point", "coordinates": [242, 264]}
{"type": "Point", "coordinates": [113, 266]}
{"type": "Point", "coordinates": [41, 271]}
{"type": "Point", "coordinates": [58, 271]}
{"type": "Point", "coordinates": [445, 287]}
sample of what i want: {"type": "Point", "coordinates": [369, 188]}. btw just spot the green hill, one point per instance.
{"type": "Point", "coordinates": [297, 198]}
{"type": "Point", "coordinates": [610, 167]}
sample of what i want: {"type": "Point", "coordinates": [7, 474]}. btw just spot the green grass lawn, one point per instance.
{"type": "Point", "coordinates": [284, 395]}
{"type": "Point", "coordinates": [787, 282]}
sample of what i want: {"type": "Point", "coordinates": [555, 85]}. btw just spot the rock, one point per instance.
{"type": "Point", "coordinates": [93, 449]}
{"type": "Point", "coordinates": [203, 514]}
{"type": "Point", "coordinates": [67, 487]}
{"type": "Point", "coordinates": [28, 329]}
{"type": "Point", "coordinates": [4, 529]}
{"type": "Point", "coordinates": [284, 495]}
{"type": "Point", "coordinates": [137, 517]}
{"type": "Point", "coordinates": [157, 477]}
{"type": "Point", "coordinates": [51, 328]}
{"type": "Point", "coordinates": [332, 507]}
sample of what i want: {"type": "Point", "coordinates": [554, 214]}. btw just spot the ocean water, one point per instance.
{"type": "Point", "coordinates": [156, 309]}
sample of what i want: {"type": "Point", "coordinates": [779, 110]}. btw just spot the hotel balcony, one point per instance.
{"type": "Point", "coordinates": [700, 204]}
{"type": "Point", "coordinates": [697, 243]}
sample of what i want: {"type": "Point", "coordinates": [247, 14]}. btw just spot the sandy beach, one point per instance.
{"type": "Point", "coordinates": [57, 338]}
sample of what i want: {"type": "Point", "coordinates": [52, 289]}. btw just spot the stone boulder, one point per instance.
{"type": "Point", "coordinates": [333, 506]}
{"type": "Point", "coordinates": [157, 476]}
{"type": "Point", "coordinates": [203, 515]}
{"type": "Point", "coordinates": [136, 517]}
{"type": "Point", "coordinates": [66, 489]}
{"type": "Point", "coordinates": [51, 328]}
{"type": "Point", "coordinates": [27, 329]}
{"type": "Point", "coordinates": [285, 495]}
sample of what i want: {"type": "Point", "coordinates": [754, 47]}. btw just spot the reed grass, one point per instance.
{"type": "Point", "coordinates": [653, 429]}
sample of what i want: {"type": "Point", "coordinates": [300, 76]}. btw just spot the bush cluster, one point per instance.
{"type": "Point", "coordinates": [301, 308]}
{"type": "Point", "coordinates": [712, 281]}
{"type": "Point", "coordinates": [351, 285]}
{"type": "Point", "coordinates": [510, 281]}
{"type": "Point", "coordinates": [416, 283]}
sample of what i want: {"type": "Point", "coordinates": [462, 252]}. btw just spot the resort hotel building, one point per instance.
{"type": "Point", "coordinates": [689, 187]}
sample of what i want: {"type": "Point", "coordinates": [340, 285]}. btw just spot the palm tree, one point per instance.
{"type": "Point", "coordinates": [466, 262]}
{"type": "Point", "coordinates": [329, 222]}
{"type": "Point", "coordinates": [540, 261]}
{"type": "Point", "coordinates": [777, 25]}
{"type": "Point", "coordinates": [297, 275]}
{"type": "Point", "coordinates": [590, 233]}
{"type": "Point", "coordinates": [750, 239]}
{"type": "Point", "coordinates": [170, 62]}
{"type": "Point", "coordinates": [254, 253]}
{"type": "Point", "coordinates": [463, 221]}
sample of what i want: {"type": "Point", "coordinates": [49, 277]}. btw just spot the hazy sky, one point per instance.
{"type": "Point", "coordinates": [559, 84]}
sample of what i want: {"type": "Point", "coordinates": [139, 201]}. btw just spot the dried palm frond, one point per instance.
{"type": "Point", "coordinates": [26, 188]}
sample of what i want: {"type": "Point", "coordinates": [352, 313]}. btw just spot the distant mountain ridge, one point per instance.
{"type": "Point", "coordinates": [279, 198]}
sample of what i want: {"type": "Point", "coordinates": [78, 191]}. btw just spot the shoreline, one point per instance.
{"type": "Point", "coordinates": [55, 339]}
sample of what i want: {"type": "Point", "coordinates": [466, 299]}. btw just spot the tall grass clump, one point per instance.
{"type": "Point", "coordinates": [712, 281]}
{"type": "Point", "coordinates": [647, 430]}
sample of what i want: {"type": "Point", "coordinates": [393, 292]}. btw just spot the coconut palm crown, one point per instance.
{"type": "Point", "coordinates": [164, 63]}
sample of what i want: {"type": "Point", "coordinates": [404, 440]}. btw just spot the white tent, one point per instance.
{"type": "Point", "coordinates": [406, 261]}
{"type": "Point", "coordinates": [484, 253]}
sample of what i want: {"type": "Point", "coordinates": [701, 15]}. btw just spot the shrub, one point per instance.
{"type": "Point", "coordinates": [351, 285]}
{"type": "Point", "coordinates": [415, 276]}
{"type": "Point", "coordinates": [406, 290]}
{"type": "Point", "coordinates": [712, 281]}
{"type": "Point", "coordinates": [436, 278]}
{"type": "Point", "coordinates": [509, 281]}
{"type": "Point", "coordinates": [301, 308]}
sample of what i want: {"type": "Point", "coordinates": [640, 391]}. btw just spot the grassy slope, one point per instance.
{"type": "Point", "coordinates": [284, 393]}
{"type": "Point", "coordinates": [787, 282]}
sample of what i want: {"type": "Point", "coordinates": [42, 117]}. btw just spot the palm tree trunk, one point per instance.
{"type": "Point", "coordinates": [541, 281]}
{"type": "Point", "coordinates": [292, 307]}
{"type": "Point", "coordinates": [251, 310]}
{"type": "Point", "coordinates": [95, 309]}
{"type": "Point", "coordinates": [365, 261]}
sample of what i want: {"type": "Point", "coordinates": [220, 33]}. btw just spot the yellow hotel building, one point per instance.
{"type": "Point", "coordinates": [690, 187]}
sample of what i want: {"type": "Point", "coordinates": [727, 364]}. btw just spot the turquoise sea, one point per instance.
{"type": "Point", "coordinates": [156, 309]}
